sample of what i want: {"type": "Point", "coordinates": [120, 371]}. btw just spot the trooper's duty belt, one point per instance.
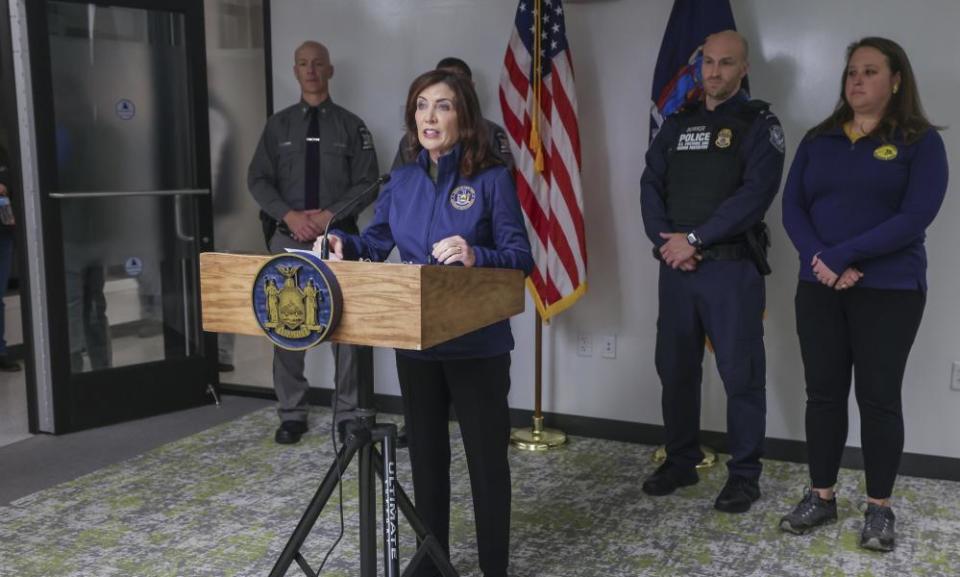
{"type": "Point", "coordinates": [730, 251]}
{"type": "Point", "coordinates": [726, 251]}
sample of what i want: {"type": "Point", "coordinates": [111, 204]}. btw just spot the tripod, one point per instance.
{"type": "Point", "coordinates": [363, 433]}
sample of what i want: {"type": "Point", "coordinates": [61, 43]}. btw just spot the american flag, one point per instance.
{"type": "Point", "coordinates": [539, 106]}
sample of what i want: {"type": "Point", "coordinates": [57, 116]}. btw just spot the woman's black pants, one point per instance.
{"type": "Point", "coordinates": [478, 390]}
{"type": "Point", "coordinates": [866, 334]}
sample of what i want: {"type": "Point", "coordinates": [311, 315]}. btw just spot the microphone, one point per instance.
{"type": "Point", "coordinates": [324, 245]}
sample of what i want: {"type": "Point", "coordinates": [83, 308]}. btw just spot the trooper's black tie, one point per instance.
{"type": "Point", "coordinates": [311, 181]}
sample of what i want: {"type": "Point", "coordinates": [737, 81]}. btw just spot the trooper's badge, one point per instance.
{"type": "Point", "coordinates": [463, 197]}
{"type": "Point", "coordinates": [296, 300]}
{"type": "Point", "coordinates": [885, 152]}
{"type": "Point", "coordinates": [724, 137]}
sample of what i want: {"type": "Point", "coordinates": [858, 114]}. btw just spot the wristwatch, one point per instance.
{"type": "Point", "coordinates": [694, 240]}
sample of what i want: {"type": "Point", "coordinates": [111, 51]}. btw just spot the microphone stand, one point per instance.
{"type": "Point", "coordinates": [324, 244]}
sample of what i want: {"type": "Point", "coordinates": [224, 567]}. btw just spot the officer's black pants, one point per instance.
{"type": "Point", "coordinates": [723, 300]}
{"type": "Point", "coordinates": [478, 389]}
{"type": "Point", "coordinates": [866, 333]}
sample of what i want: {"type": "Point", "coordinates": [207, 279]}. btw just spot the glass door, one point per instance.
{"type": "Point", "coordinates": [123, 160]}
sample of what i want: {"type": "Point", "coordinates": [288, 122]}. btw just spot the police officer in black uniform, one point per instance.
{"type": "Point", "coordinates": [313, 159]}
{"type": "Point", "coordinates": [712, 172]}
{"type": "Point", "coordinates": [496, 135]}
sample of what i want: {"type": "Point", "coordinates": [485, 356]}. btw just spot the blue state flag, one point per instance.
{"type": "Point", "coordinates": [676, 79]}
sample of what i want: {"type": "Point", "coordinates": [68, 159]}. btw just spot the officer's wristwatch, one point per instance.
{"type": "Point", "coordinates": [694, 240]}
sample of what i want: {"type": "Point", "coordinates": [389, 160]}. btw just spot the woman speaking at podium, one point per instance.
{"type": "Point", "coordinates": [456, 205]}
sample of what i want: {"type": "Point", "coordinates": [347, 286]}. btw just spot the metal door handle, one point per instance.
{"type": "Point", "coordinates": [178, 221]}
{"type": "Point", "coordinates": [119, 193]}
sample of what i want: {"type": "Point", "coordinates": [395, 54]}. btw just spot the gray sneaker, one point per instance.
{"type": "Point", "coordinates": [811, 512]}
{"type": "Point", "coordinates": [878, 533]}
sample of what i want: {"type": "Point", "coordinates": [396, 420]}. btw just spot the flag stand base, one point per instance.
{"type": "Point", "coordinates": [537, 438]}
{"type": "Point", "coordinates": [709, 457]}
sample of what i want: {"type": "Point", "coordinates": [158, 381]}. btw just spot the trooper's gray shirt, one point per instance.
{"type": "Point", "coordinates": [348, 162]}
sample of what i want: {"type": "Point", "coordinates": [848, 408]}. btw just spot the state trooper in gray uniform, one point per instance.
{"type": "Point", "coordinates": [313, 159]}
{"type": "Point", "coordinates": [497, 136]}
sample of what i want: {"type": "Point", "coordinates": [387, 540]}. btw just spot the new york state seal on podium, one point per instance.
{"type": "Point", "coordinates": [296, 300]}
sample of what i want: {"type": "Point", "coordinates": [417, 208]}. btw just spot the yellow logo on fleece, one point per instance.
{"type": "Point", "coordinates": [885, 152]}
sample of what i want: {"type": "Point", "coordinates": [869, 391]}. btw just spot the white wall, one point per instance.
{"type": "Point", "coordinates": [379, 46]}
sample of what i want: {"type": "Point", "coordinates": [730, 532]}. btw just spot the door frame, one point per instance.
{"type": "Point", "coordinates": [9, 117]}
{"type": "Point", "coordinates": [96, 398]}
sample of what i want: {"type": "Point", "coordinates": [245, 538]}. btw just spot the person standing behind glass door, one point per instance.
{"type": "Point", "coordinates": [6, 258]}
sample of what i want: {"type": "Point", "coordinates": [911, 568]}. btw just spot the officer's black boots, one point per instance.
{"type": "Point", "coordinates": [668, 478]}
{"type": "Point", "coordinates": [737, 495]}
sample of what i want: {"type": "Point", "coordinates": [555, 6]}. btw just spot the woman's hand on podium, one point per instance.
{"type": "Point", "coordinates": [454, 249]}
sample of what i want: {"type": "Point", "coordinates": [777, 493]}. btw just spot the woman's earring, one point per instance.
{"type": "Point", "coordinates": [896, 88]}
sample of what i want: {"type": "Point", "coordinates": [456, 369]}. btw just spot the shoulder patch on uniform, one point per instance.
{"type": "Point", "coordinates": [503, 144]}
{"type": "Point", "coordinates": [366, 139]}
{"type": "Point", "coordinates": [776, 138]}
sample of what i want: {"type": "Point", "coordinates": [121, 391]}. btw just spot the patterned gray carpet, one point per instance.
{"type": "Point", "coordinates": [224, 502]}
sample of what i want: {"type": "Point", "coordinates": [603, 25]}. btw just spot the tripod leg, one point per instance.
{"type": "Point", "coordinates": [431, 547]}
{"type": "Point", "coordinates": [428, 544]}
{"type": "Point", "coordinates": [320, 498]}
{"type": "Point", "coordinates": [391, 538]}
{"type": "Point", "coordinates": [368, 514]}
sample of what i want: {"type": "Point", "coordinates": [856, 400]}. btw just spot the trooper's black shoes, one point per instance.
{"type": "Point", "coordinates": [289, 432]}
{"type": "Point", "coordinates": [878, 533]}
{"type": "Point", "coordinates": [668, 478]}
{"type": "Point", "coordinates": [811, 512]}
{"type": "Point", "coordinates": [737, 495]}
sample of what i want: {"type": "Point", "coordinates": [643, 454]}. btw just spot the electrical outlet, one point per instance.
{"type": "Point", "coordinates": [584, 345]}
{"type": "Point", "coordinates": [955, 376]}
{"type": "Point", "coordinates": [608, 346]}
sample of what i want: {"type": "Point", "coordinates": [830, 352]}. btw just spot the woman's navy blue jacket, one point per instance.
{"type": "Point", "coordinates": [413, 213]}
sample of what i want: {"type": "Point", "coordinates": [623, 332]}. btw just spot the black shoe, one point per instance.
{"type": "Point", "coordinates": [668, 478]}
{"type": "Point", "coordinates": [225, 367]}
{"type": "Point", "coordinates": [737, 495]}
{"type": "Point", "coordinates": [8, 366]}
{"type": "Point", "coordinates": [289, 432]}
{"type": "Point", "coordinates": [878, 533]}
{"type": "Point", "coordinates": [811, 512]}
{"type": "Point", "coordinates": [402, 440]}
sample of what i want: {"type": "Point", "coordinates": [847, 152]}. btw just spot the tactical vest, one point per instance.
{"type": "Point", "coordinates": [705, 165]}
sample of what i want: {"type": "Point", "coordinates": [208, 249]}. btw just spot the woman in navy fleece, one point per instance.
{"type": "Point", "coordinates": [456, 205]}
{"type": "Point", "coordinates": [863, 187]}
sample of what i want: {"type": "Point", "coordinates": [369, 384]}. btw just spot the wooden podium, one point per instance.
{"type": "Point", "coordinates": [386, 305]}
{"type": "Point", "coordinates": [400, 306]}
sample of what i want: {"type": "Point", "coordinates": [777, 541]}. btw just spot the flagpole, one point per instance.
{"type": "Point", "coordinates": [537, 438]}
